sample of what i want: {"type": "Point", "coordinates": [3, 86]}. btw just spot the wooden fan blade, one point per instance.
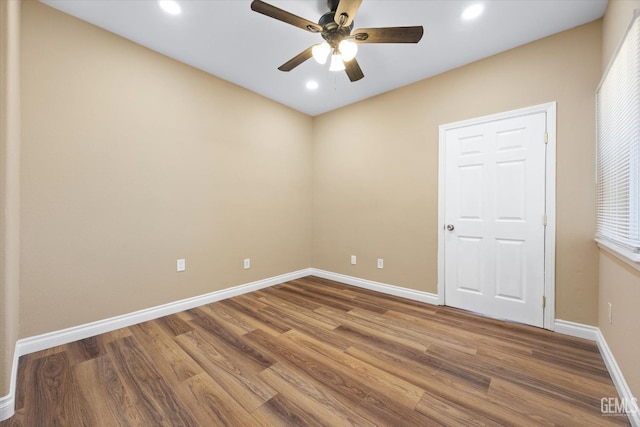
{"type": "Point", "coordinates": [284, 16]}
{"type": "Point", "coordinates": [296, 60]}
{"type": "Point", "coordinates": [348, 8]}
{"type": "Point", "coordinates": [389, 35]}
{"type": "Point", "coordinates": [353, 70]}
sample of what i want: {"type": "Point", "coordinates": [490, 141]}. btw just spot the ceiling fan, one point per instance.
{"type": "Point", "coordinates": [335, 28]}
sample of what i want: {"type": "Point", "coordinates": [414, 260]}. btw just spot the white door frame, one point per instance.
{"type": "Point", "coordinates": [550, 200]}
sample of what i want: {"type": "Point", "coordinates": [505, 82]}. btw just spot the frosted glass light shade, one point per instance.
{"type": "Point", "coordinates": [321, 52]}
{"type": "Point", "coordinates": [336, 62]}
{"type": "Point", "coordinates": [348, 49]}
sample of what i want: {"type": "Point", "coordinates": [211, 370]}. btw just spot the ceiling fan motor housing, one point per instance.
{"type": "Point", "coordinates": [331, 31]}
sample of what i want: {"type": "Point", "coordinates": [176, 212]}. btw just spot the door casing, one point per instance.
{"type": "Point", "coordinates": [550, 199]}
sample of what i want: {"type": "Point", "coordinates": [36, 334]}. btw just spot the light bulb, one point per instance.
{"type": "Point", "coordinates": [321, 52]}
{"type": "Point", "coordinates": [348, 49]}
{"type": "Point", "coordinates": [336, 62]}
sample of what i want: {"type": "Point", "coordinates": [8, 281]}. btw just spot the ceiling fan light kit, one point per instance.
{"type": "Point", "coordinates": [321, 52]}
{"type": "Point", "coordinates": [337, 64]}
{"type": "Point", "coordinates": [348, 49]}
{"type": "Point", "coordinates": [336, 28]}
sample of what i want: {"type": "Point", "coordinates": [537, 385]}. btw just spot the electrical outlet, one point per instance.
{"type": "Point", "coordinates": [353, 260]}
{"type": "Point", "coordinates": [610, 314]}
{"type": "Point", "coordinates": [180, 265]}
{"type": "Point", "coordinates": [380, 263]}
{"type": "Point", "coordinates": [247, 263]}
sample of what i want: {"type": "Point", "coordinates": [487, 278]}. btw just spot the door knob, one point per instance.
{"type": "Point", "coordinates": [450, 227]}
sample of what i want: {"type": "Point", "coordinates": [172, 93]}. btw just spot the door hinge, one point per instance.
{"type": "Point", "coordinates": [546, 138]}
{"type": "Point", "coordinates": [544, 301]}
{"type": "Point", "coordinates": [544, 220]}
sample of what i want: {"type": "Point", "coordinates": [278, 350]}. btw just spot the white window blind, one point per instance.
{"type": "Point", "coordinates": [618, 146]}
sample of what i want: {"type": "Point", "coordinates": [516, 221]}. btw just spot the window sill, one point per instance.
{"type": "Point", "coordinates": [630, 258]}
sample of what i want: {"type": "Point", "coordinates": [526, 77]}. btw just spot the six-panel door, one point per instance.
{"type": "Point", "coordinates": [495, 207]}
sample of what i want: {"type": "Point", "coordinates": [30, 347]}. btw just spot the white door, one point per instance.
{"type": "Point", "coordinates": [494, 218]}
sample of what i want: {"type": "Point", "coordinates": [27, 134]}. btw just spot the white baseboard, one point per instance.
{"type": "Point", "coordinates": [593, 333]}
{"type": "Point", "coordinates": [616, 376]}
{"type": "Point", "coordinates": [577, 330]}
{"type": "Point", "coordinates": [42, 342]}
{"type": "Point", "coordinates": [421, 296]}
{"type": "Point", "coordinates": [52, 339]}
{"type": "Point", "coordinates": [7, 405]}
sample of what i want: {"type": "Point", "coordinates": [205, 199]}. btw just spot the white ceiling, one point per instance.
{"type": "Point", "coordinates": [227, 39]}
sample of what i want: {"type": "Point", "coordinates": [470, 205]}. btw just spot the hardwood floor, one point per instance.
{"type": "Point", "coordinates": [318, 353]}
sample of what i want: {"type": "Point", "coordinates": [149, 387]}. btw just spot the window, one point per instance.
{"type": "Point", "coordinates": [618, 149]}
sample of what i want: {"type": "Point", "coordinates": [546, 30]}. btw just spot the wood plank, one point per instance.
{"type": "Point", "coordinates": [83, 350]}
{"type": "Point", "coordinates": [174, 324]}
{"type": "Point", "coordinates": [411, 329]}
{"type": "Point", "coordinates": [156, 398]}
{"type": "Point", "coordinates": [328, 301]}
{"type": "Point", "coordinates": [528, 400]}
{"type": "Point", "coordinates": [286, 294]}
{"type": "Point", "coordinates": [231, 341]}
{"type": "Point", "coordinates": [252, 318]}
{"type": "Point", "coordinates": [283, 411]}
{"type": "Point", "coordinates": [312, 396]}
{"type": "Point", "coordinates": [446, 335]}
{"type": "Point", "coordinates": [53, 395]}
{"type": "Point", "coordinates": [248, 390]}
{"type": "Point", "coordinates": [168, 357]}
{"type": "Point", "coordinates": [227, 317]}
{"type": "Point", "coordinates": [546, 382]}
{"type": "Point", "coordinates": [445, 412]}
{"type": "Point", "coordinates": [212, 405]}
{"type": "Point", "coordinates": [109, 337]}
{"type": "Point", "coordinates": [299, 324]}
{"type": "Point", "coordinates": [381, 332]}
{"type": "Point", "coordinates": [379, 407]}
{"type": "Point", "coordinates": [257, 317]}
{"type": "Point", "coordinates": [305, 315]}
{"type": "Point", "coordinates": [407, 393]}
{"type": "Point", "coordinates": [341, 295]}
{"type": "Point", "coordinates": [109, 403]}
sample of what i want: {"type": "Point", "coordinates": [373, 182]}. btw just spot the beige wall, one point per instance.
{"type": "Point", "coordinates": [131, 160]}
{"type": "Point", "coordinates": [619, 284]}
{"type": "Point", "coordinates": [376, 166]}
{"type": "Point", "coordinates": [615, 22]}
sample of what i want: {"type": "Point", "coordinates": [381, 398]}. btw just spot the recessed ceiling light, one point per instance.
{"type": "Point", "coordinates": [473, 11]}
{"type": "Point", "coordinates": [312, 85]}
{"type": "Point", "coordinates": [170, 6]}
